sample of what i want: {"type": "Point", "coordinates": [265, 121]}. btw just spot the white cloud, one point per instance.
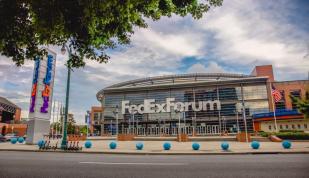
{"type": "Point", "coordinates": [212, 67]}
{"type": "Point", "coordinates": [180, 44]}
{"type": "Point", "coordinates": [254, 33]}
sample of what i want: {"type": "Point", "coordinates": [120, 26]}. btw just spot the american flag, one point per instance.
{"type": "Point", "coordinates": [276, 94]}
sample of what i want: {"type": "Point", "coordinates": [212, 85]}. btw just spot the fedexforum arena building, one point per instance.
{"type": "Point", "coordinates": [196, 104]}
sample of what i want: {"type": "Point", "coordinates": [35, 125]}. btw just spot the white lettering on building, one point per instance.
{"type": "Point", "coordinates": [150, 106]}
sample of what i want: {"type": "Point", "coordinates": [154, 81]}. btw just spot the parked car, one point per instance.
{"type": "Point", "coordinates": [2, 138]}
{"type": "Point", "coordinates": [9, 136]}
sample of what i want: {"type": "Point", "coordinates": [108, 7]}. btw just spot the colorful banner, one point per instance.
{"type": "Point", "coordinates": [34, 84]}
{"type": "Point", "coordinates": [43, 68]}
{"type": "Point", "coordinates": [47, 83]}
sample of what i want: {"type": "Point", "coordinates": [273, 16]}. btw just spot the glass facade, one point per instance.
{"type": "Point", "coordinates": [238, 101]}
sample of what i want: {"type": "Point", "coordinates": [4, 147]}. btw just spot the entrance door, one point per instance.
{"type": "Point", "coordinates": [215, 129]}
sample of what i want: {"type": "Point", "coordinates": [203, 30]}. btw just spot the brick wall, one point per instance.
{"type": "Point", "coordinates": [289, 86]}
{"type": "Point", "coordinates": [94, 109]}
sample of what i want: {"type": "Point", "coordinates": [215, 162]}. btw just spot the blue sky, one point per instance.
{"type": "Point", "coordinates": [232, 38]}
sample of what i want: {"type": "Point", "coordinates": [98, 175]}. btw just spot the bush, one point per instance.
{"type": "Point", "coordinates": [293, 135]}
{"type": "Point", "coordinates": [293, 131]}
{"type": "Point", "coordinates": [264, 134]}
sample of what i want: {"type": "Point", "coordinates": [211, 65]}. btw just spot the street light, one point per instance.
{"type": "Point", "coordinates": [245, 121]}
{"type": "Point", "coordinates": [64, 138]}
{"type": "Point", "coordinates": [179, 129]}
{"type": "Point", "coordinates": [88, 121]}
{"type": "Point", "coordinates": [133, 111]}
{"type": "Point", "coordinates": [116, 115]}
{"type": "Point", "coordinates": [237, 122]}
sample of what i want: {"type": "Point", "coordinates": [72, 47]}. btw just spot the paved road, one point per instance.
{"type": "Point", "coordinates": [75, 165]}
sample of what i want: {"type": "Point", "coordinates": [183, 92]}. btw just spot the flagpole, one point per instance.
{"type": "Point", "coordinates": [53, 122]}
{"type": "Point", "coordinates": [58, 111]}
{"type": "Point", "coordinates": [273, 104]}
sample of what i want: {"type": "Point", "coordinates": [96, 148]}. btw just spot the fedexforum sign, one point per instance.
{"type": "Point", "coordinates": [150, 106]}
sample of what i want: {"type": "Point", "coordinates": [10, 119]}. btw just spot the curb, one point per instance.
{"type": "Point", "coordinates": [160, 153]}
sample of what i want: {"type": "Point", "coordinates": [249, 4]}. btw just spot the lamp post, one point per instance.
{"type": "Point", "coordinates": [88, 121]}
{"type": "Point", "coordinates": [245, 120]}
{"type": "Point", "coordinates": [179, 129]}
{"type": "Point", "coordinates": [116, 115]}
{"type": "Point", "coordinates": [236, 112]}
{"type": "Point", "coordinates": [133, 111]}
{"type": "Point", "coordinates": [64, 137]}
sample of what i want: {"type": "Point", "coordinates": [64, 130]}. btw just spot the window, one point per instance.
{"type": "Point", "coordinates": [293, 126]}
{"type": "Point", "coordinates": [298, 126]}
{"type": "Point", "coordinates": [296, 94]}
{"type": "Point", "coordinates": [281, 127]}
{"type": "Point", "coordinates": [96, 116]}
{"type": "Point", "coordinates": [305, 126]}
{"type": "Point", "coordinates": [286, 126]}
{"type": "Point", "coordinates": [269, 127]}
{"type": "Point", "coordinates": [281, 104]}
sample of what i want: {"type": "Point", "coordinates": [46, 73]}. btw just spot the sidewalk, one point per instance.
{"type": "Point", "coordinates": [156, 148]}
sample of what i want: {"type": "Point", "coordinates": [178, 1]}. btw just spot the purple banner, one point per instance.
{"type": "Point", "coordinates": [46, 81]}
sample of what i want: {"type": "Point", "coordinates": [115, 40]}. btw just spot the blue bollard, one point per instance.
{"type": "Point", "coordinates": [139, 146]}
{"type": "Point", "coordinates": [195, 146]}
{"type": "Point", "coordinates": [88, 144]}
{"type": "Point", "coordinates": [40, 143]}
{"type": "Point", "coordinates": [167, 146]}
{"type": "Point", "coordinates": [225, 146]}
{"type": "Point", "coordinates": [286, 144]}
{"type": "Point", "coordinates": [21, 140]}
{"type": "Point", "coordinates": [255, 145]}
{"type": "Point", "coordinates": [113, 145]}
{"type": "Point", "coordinates": [13, 140]}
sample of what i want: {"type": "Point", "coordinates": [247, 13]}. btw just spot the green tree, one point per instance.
{"type": "Point", "coordinates": [83, 130]}
{"type": "Point", "coordinates": [88, 27]}
{"type": "Point", "coordinates": [302, 104]}
{"type": "Point", "coordinates": [56, 126]}
{"type": "Point", "coordinates": [71, 124]}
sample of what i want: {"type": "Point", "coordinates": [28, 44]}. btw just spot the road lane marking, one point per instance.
{"type": "Point", "coordinates": [152, 164]}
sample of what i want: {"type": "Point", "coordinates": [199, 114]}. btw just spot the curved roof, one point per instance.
{"type": "Point", "coordinates": [180, 78]}
{"type": "Point", "coordinates": [7, 105]}
{"type": "Point", "coordinates": [176, 79]}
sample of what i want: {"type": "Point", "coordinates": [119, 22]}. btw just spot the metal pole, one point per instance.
{"type": "Point", "coordinates": [274, 109]}
{"type": "Point", "coordinates": [179, 129]}
{"type": "Point", "coordinates": [88, 118]}
{"type": "Point", "coordinates": [130, 118]}
{"type": "Point", "coordinates": [219, 112]}
{"type": "Point", "coordinates": [64, 138]}
{"type": "Point", "coordinates": [244, 112]}
{"type": "Point", "coordinates": [87, 129]}
{"type": "Point", "coordinates": [61, 119]}
{"type": "Point", "coordinates": [111, 126]}
{"type": "Point", "coordinates": [237, 121]}
{"type": "Point", "coordinates": [57, 119]}
{"type": "Point", "coordinates": [133, 122]}
{"type": "Point", "coordinates": [117, 125]}
{"type": "Point", "coordinates": [53, 119]}
{"type": "Point", "coordinates": [245, 119]}
{"type": "Point", "coordinates": [184, 123]}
